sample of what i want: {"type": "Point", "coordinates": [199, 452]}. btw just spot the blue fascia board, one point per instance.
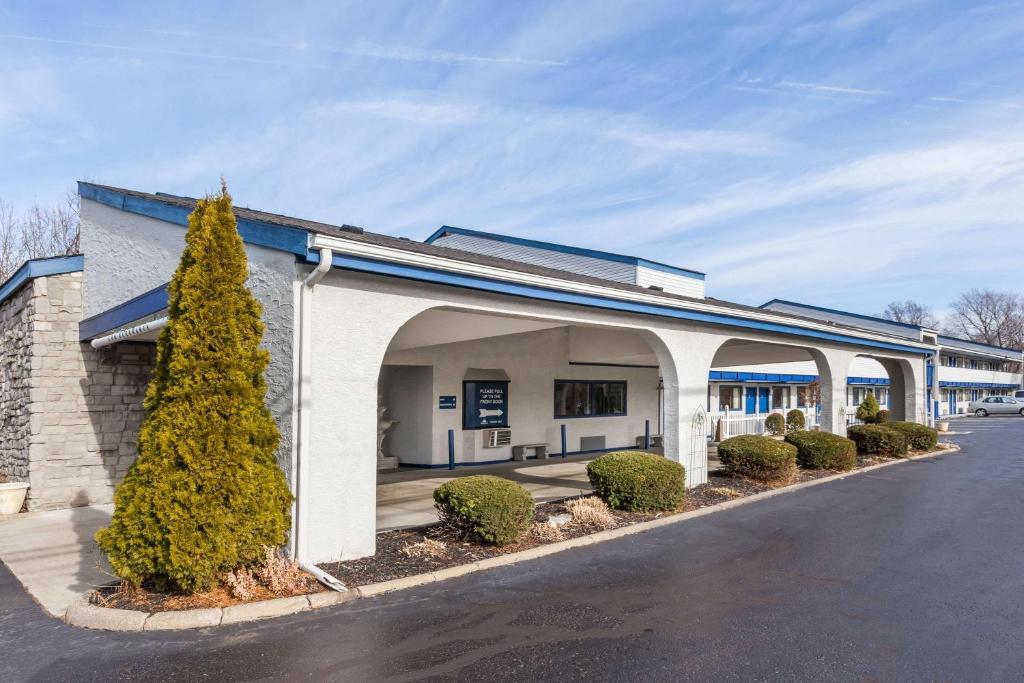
{"type": "Point", "coordinates": [976, 385]}
{"type": "Point", "coordinates": [776, 378]}
{"type": "Point", "coordinates": [838, 312]}
{"type": "Point", "coordinates": [564, 249]}
{"type": "Point", "coordinates": [422, 274]}
{"type": "Point", "coordinates": [41, 267]}
{"type": "Point", "coordinates": [148, 303]}
{"type": "Point", "coordinates": [279, 237]}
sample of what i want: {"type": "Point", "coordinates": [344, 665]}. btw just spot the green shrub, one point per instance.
{"type": "Point", "coordinates": [775, 424]}
{"type": "Point", "coordinates": [758, 457]}
{"type": "Point", "coordinates": [205, 494]}
{"type": "Point", "coordinates": [878, 440]}
{"type": "Point", "coordinates": [485, 508]}
{"type": "Point", "coordinates": [795, 420]}
{"type": "Point", "coordinates": [638, 481]}
{"type": "Point", "coordinates": [821, 450]}
{"type": "Point", "coordinates": [882, 417]}
{"type": "Point", "coordinates": [868, 409]}
{"type": "Point", "coordinates": [919, 437]}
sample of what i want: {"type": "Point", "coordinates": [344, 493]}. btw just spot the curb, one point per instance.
{"type": "Point", "coordinates": [86, 615]}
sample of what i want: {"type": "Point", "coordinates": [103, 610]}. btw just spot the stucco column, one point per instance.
{"type": "Point", "coordinates": [685, 358]}
{"type": "Point", "coordinates": [833, 371]}
{"type": "Point", "coordinates": [350, 329]}
{"type": "Point", "coordinates": [906, 387]}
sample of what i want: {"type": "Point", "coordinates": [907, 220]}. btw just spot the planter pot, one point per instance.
{"type": "Point", "coordinates": [12, 497]}
{"type": "Point", "coordinates": [943, 426]}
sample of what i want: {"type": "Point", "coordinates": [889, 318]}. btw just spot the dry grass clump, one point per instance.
{"type": "Point", "coordinates": [277, 573]}
{"type": "Point", "coordinates": [426, 548]}
{"type": "Point", "coordinates": [545, 531]}
{"type": "Point", "coordinates": [591, 511]}
{"type": "Point", "coordinates": [724, 491]}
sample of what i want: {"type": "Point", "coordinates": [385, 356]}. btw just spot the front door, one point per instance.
{"type": "Point", "coordinates": [764, 396]}
{"type": "Point", "coordinates": [750, 405]}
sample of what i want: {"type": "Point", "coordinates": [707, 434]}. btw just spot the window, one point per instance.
{"type": "Point", "coordinates": [586, 398]}
{"type": "Point", "coordinates": [780, 397]}
{"type": "Point", "coordinates": [730, 397]}
{"type": "Point", "coordinates": [801, 397]}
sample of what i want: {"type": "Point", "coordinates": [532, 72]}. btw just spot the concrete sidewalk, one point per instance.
{"type": "Point", "coordinates": [53, 553]}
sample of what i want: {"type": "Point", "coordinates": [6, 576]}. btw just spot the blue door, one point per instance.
{"type": "Point", "coordinates": [765, 394]}
{"type": "Point", "coordinates": [952, 401]}
{"type": "Point", "coordinates": [751, 402]}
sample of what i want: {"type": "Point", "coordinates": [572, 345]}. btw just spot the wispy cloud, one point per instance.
{"type": "Point", "coordinates": [822, 87]}
{"type": "Point", "coordinates": [360, 48]}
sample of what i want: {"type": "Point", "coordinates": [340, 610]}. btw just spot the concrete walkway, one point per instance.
{"type": "Point", "coordinates": [53, 553]}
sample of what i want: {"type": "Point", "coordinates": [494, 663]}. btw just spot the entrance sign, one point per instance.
{"type": "Point", "coordinates": [446, 402]}
{"type": "Point", "coordinates": [484, 405]}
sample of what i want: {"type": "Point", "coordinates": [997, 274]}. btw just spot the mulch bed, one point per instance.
{"type": "Point", "coordinates": [147, 600]}
{"type": "Point", "coordinates": [391, 561]}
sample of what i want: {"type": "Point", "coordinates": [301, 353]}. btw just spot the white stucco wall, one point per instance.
{"type": "Point", "coordinates": [127, 255]}
{"type": "Point", "coordinates": [533, 361]}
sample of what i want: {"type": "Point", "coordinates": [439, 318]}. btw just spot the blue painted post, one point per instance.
{"type": "Point", "coordinates": [451, 449]}
{"type": "Point", "coordinates": [564, 449]}
{"type": "Point", "coordinates": [647, 435]}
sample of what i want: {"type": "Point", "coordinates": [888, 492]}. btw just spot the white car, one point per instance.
{"type": "Point", "coordinates": [996, 405]}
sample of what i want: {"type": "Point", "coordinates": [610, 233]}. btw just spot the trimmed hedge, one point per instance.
{"type": "Point", "coordinates": [758, 457]}
{"type": "Point", "coordinates": [824, 451]}
{"type": "Point", "coordinates": [882, 417]}
{"type": "Point", "coordinates": [775, 424]}
{"type": "Point", "coordinates": [638, 481]}
{"type": "Point", "coordinates": [868, 409]}
{"type": "Point", "coordinates": [919, 437]}
{"type": "Point", "coordinates": [485, 508]}
{"type": "Point", "coordinates": [874, 439]}
{"type": "Point", "coordinates": [795, 420]}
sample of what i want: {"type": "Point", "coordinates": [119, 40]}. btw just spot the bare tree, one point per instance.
{"type": "Point", "coordinates": [44, 231]}
{"type": "Point", "coordinates": [988, 317]}
{"type": "Point", "coordinates": [910, 312]}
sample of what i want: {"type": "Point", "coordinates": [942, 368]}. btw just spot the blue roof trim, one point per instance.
{"type": "Point", "coordinates": [280, 237]}
{"type": "Point", "coordinates": [534, 292]}
{"type": "Point", "coordinates": [41, 267]}
{"type": "Point", "coordinates": [736, 376]}
{"type": "Point", "coordinates": [561, 248]}
{"type": "Point", "coordinates": [977, 385]}
{"type": "Point", "coordinates": [148, 303]}
{"type": "Point", "coordinates": [730, 376]}
{"type": "Point", "coordinates": [833, 310]}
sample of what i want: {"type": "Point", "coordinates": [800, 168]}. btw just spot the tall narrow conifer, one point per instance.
{"type": "Point", "coordinates": [205, 493]}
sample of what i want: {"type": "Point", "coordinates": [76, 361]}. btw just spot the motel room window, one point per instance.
{"type": "Point", "coordinates": [780, 397]}
{"type": "Point", "coordinates": [581, 398]}
{"type": "Point", "coordinates": [730, 397]}
{"type": "Point", "coordinates": [801, 397]}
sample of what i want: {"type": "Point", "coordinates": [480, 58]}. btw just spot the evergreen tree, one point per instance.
{"type": "Point", "coordinates": [205, 493]}
{"type": "Point", "coordinates": [868, 409]}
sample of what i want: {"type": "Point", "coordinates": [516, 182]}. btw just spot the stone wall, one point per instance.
{"type": "Point", "coordinates": [70, 413]}
{"type": "Point", "coordinates": [15, 365]}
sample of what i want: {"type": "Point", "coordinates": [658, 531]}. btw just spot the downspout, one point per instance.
{"type": "Point", "coordinates": [128, 333]}
{"type": "Point", "coordinates": [304, 351]}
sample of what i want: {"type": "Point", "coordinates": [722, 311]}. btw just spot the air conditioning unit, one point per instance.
{"type": "Point", "coordinates": [496, 438]}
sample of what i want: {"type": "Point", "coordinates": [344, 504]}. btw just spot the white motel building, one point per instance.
{"type": "Point", "coordinates": [464, 349]}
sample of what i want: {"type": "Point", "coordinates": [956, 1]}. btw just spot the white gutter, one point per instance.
{"type": "Point", "coordinates": [128, 333]}
{"type": "Point", "coordinates": [305, 326]}
{"type": "Point", "coordinates": [393, 255]}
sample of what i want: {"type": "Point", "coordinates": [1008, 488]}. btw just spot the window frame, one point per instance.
{"type": "Point", "coordinates": [590, 396]}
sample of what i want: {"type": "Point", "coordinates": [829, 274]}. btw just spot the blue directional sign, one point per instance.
{"type": "Point", "coordinates": [446, 402]}
{"type": "Point", "coordinates": [484, 404]}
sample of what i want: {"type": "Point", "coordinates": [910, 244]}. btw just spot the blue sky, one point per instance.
{"type": "Point", "coordinates": [834, 153]}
